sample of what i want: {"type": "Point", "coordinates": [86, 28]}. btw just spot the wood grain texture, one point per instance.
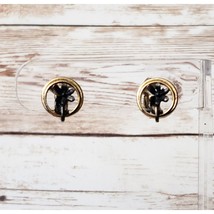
{"type": "Point", "coordinates": [20, 199]}
{"type": "Point", "coordinates": [98, 173]}
{"type": "Point", "coordinates": [109, 15]}
{"type": "Point", "coordinates": [109, 64]}
{"type": "Point", "coordinates": [109, 50]}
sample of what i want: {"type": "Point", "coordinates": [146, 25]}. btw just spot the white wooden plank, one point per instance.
{"type": "Point", "coordinates": [160, 172]}
{"type": "Point", "coordinates": [96, 200]}
{"type": "Point", "coordinates": [105, 61]}
{"type": "Point", "coordinates": [114, 15]}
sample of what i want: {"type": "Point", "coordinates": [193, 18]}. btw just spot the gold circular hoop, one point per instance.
{"type": "Point", "coordinates": [70, 82]}
{"type": "Point", "coordinates": [165, 82]}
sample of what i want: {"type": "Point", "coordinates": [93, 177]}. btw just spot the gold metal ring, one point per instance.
{"type": "Point", "coordinates": [70, 82]}
{"type": "Point", "coordinates": [143, 93]}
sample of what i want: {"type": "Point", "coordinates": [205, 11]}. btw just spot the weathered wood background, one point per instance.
{"type": "Point", "coordinates": [109, 155]}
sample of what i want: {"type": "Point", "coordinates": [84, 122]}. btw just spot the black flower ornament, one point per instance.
{"type": "Point", "coordinates": [63, 95]}
{"type": "Point", "coordinates": [153, 101]}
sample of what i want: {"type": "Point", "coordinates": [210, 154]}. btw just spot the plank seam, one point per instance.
{"type": "Point", "coordinates": [109, 26]}
{"type": "Point", "coordinates": [96, 134]}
